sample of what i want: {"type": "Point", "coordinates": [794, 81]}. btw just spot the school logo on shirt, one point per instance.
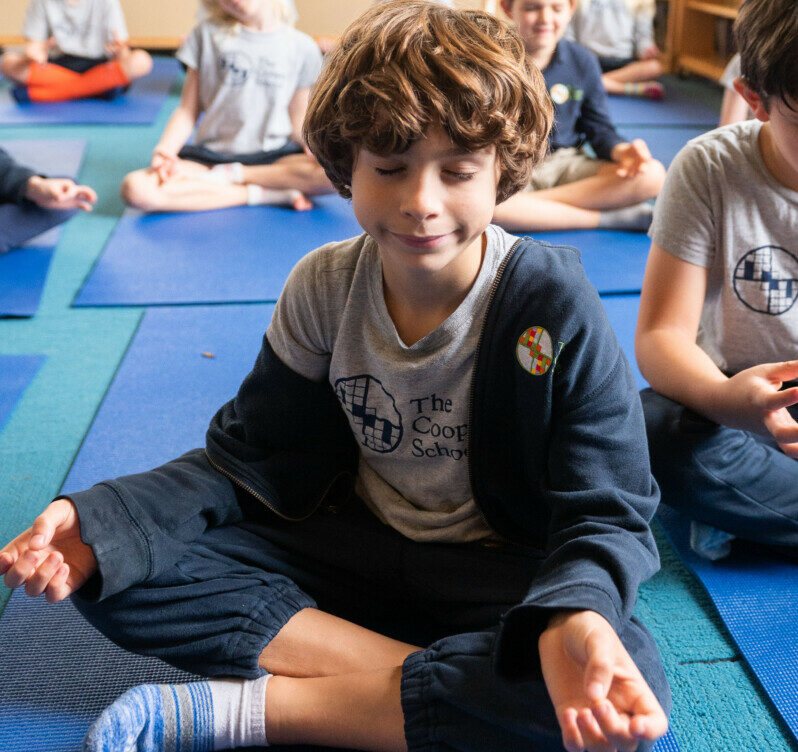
{"type": "Point", "coordinates": [766, 280]}
{"type": "Point", "coordinates": [372, 411]}
{"type": "Point", "coordinates": [237, 66]}
{"type": "Point", "coordinates": [534, 351]}
{"type": "Point", "coordinates": [560, 93]}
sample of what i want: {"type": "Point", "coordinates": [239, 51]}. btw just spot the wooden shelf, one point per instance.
{"type": "Point", "coordinates": [713, 9]}
{"type": "Point", "coordinates": [708, 67]}
{"type": "Point", "coordinates": [147, 43]}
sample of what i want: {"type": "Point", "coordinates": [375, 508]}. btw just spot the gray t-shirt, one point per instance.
{"type": "Point", "coordinates": [80, 28]}
{"type": "Point", "coordinates": [613, 28]}
{"type": "Point", "coordinates": [407, 405]}
{"type": "Point", "coordinates": [246, 81]}
{"type": "Point", "coordinates": [723, 210]}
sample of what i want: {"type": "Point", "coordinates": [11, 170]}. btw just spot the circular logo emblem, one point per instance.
{"type": "Point", "coordinates": [534, 351]}
{"type": "Point", "coordinates": [766, 280]}
{"type": "Point", "coordinates": [559, 94]}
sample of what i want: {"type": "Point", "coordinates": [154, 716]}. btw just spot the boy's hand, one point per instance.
{"type": "Point", "coordinates": [49, 557]}
{"type": "Point", "coordinates": [649, 53]}
{"type": "Point", "coordinates": [59, 193]}
{"type": "Point", "coordinates": [39, 52]}
{"type": "Point", "coordinates": [752, 400]}
{"type": "Point", "coordinates": [631, 158]}
{"type": "Point", "coordinates": [117, 47]}
{"type": "Point", "coordinates": [164, 164]}
{"type": "Point", "coordinates": [602, 701]}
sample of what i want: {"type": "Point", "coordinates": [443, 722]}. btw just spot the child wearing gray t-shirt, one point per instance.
{"type": "Point", "coordinates": [244, 98]}
{"type": "Point", "coordinates": [74, 49]}
{"type": "Point", "coordinates": [718, 331]}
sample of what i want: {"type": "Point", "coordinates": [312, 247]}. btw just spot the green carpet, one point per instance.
{"type": "Point", "coordinates": [718, 705]}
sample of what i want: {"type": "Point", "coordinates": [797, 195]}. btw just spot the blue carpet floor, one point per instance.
{"type": "Point", "coordinates": [718, 704]}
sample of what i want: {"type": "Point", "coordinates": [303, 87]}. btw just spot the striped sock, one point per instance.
{"type": "Point", "coordinates": [201, 716]}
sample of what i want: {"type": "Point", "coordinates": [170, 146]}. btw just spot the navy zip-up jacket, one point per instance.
{"type": "Point", "coordinates": [581, 111]}
{"type": "Point", "coordinates": [558, 461]}
{"type": "Point", "coordinates": [13, 179]}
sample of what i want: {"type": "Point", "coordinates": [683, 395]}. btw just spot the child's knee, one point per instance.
{"type": "Point", "coordinates": [14, 66]}
{"type": "Point", "coordinates": [651, 180]}
{"type": "Point", "coordinates": [140, 191]}
{"type": "Point", "coordinates": [137, 64]}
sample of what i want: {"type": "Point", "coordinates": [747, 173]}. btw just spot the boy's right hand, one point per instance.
{"type": "Point", "coordinates": [164, 164]}
{"type": "Point", "coordinates": [752, 400]}
{"type": "Point", "coordinates": [39, 52]}
{"type": "Point", "coordinates": [49, 557]}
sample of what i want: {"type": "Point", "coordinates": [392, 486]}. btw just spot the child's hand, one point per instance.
{"type": "Point", "coordinates": [631, 157]}
{"type": "Point", "coordinates": [649, 53]}
{"type": "Point", "coordinates": [39, 52]}
{"type": "Point", "coordinates": [601, 699]}
{"type": "Point", "coordinates": [164, 164]}
{"type": "Point", "coordinates": [59, 193]}
{"type": "Point", "coordinates": [751, 400]}
{"type": "Point", "coordinates": [49, 557]}
{"type": "Point", "coordinates": [117, 47]}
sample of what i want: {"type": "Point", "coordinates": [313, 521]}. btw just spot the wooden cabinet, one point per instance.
{"type": "Point", "coordinates": [701, 31]}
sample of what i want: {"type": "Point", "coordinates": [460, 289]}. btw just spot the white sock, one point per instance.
{"type": "Point", "coordinates": [231, 173]}
{"type": "Point", "coordinates": [215, 714]}
{"type": "Point", "coordinates": [239, 713]}
{"type": "Point", "coordinates": [257, 195]}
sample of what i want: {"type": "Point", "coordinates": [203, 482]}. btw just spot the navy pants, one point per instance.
{"type": "Point", "coordinates": [220, 605]}
{"type": "Point", "coordinates": [731, 479]}
{"type": "Point", "coordinates": [21, 222]}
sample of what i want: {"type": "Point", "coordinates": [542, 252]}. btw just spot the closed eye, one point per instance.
{"type": "Point", "coordinates": [393, 171]}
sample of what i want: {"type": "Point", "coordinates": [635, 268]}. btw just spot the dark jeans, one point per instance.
{"type": "Point", "coordinates": [209, 158]}
{"type": "Point", "coordinates": [220, 605]}
{"type": "Point", "coordinates": [21, 222]}
{"type": "Point", "coordinates": [731, 479]}
{"type": "Point", "coordinates": [613, 63]}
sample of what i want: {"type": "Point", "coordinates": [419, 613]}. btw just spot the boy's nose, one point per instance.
{"type": "Point", "coordinates": [421, 200]}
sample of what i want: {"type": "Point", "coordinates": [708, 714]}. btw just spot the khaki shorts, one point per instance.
{"type": "Point", "coordinates": [564, 166]}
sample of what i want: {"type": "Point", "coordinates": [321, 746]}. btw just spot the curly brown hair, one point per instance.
{"type": "Point", "coordinates": [406, 65]}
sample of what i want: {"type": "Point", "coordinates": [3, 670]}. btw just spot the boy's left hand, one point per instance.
{"type": "Point", "coordinates": [649, 53]}
{"type": "Point", "coordinates": [631, 157]}
{"type": "Point", "coordinates": [602, 701]}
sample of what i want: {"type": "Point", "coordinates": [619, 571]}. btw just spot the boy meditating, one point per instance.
{"type": "Point", "coordinates": [718, 324]}
{"type": "Point", "coordinates": [422, 522]}
{"type": "Point", "coordinates": [571, 189]}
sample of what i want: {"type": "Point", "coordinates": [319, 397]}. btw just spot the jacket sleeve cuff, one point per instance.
{"type": "Point", "coordinates": [17, 183]}
{"type": "Point", "coordinates": [118, 542]}
{"type": "Point", "coordinates": [604, 148]}
{"type": "Point", "coordinates": [515, 652]}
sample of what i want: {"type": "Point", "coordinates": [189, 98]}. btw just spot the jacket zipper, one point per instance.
{"type": "Point", "coordinates": [262, 499]}
{"type": "Point", "coordinates": [494, 286]}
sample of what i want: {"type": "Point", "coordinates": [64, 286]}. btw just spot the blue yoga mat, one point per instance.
{"type": "Point", "coordinates": [664, 143]}
{"type": "Point", "coordinates": [54, 686]}
{"type": "Point", "coordinates": [757, 598]}
{"type": "Point", "coordinates": [16, 372]}
{"type": "Point", "coordinates": [23, 271]}
{"type": "Point", "coordinates": [614, 261]}
{"type": "Point", "coordinates": [182, 366]}
{"type": "Point", "coordinates": [683, 105]}
{"type": "Point", "coordinates": [236, 255]}
{"type": "Point", "coordinates": [622, 312]}
{"type": "Point", "coordinates": [139, 106]}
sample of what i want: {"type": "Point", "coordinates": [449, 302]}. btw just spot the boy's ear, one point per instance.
{"type": "Point", "coordinates": [755, 102]}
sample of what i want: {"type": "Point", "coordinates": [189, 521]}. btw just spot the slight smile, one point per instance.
{"type": "Point", "coordinates": [421, 241]}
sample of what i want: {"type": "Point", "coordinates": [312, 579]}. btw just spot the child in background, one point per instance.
{"type": "Point", "coordinates": [248, 75]}
{"type": "Point", "coordinates": [621, 34]}
{"type": "Point", "coordinates": [30, 203]}
{"type": "Point", "coordinates": [717, 335]}
{"type": "Point", "coordinates": [75, 49]}
{"type": "Point", "coordinates": [386, 559]}
{"type": "Point", "coordinates": [570, 189]}
{"type": "Point", "coordinates": [734, 107]}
